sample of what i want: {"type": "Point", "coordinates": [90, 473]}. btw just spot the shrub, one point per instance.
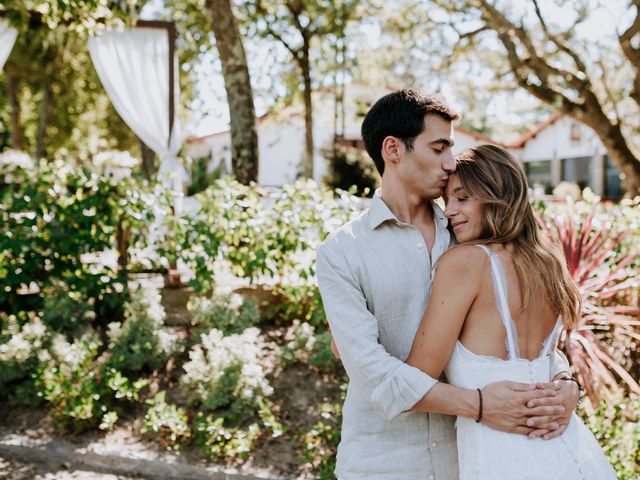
{"type": "Point", "coordinates": [321, 442]}
{"type": "Point", "coordinates": [225, 374]}
{"type": "Point", "coordinates": [225, 311]}
{"type": "Point", "coordinates": [83, 394]}
{"type": "Point", "coordinates": [600, 259]}
{"type": "Point", "coordinates": [221, 442]}
{"type": "Point", "coordinates": [65, 311]}
{"type": "Point", "coordinates": [22, 349]}
{"type": "Point", "coordinates": [52, 220]}
{"type": "Point", "coordinates": [351, 168]}
{"type": "Point", "coordinates": [169, 421]}
{"type": "Point", "coordinates": [616, 425]}
{"type": "Point", "coordinates": [141, 341]}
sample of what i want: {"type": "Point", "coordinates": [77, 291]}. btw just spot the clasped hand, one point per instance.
{"type": "Point", "coordinates": [541, 410]}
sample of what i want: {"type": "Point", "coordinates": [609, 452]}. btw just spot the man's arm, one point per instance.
{"type": "Point", "coordinates": [504, 404]}
{"type": "Point", "coordinates": [355, 331]}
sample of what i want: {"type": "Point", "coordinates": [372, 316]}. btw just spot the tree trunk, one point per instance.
{"type": "Point", "coordinates": [244, 137]}
{"type": "Point", "coordinates": [307, 165]}
{"type": "Point", "coordinates": [16, 128]}
{"type": "Point", "coordinates": [148, 161]}
{"type": "Point", "coordinates": [43, 121]}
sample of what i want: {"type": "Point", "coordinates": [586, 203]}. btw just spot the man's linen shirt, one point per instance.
{"type": "Point", "coordinates": [375, 278]}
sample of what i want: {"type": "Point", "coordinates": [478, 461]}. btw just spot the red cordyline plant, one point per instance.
{"type": "Point", "coordinates": [609, 326]}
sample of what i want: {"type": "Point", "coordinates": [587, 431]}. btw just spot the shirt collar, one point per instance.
{"type": "Point", "coordinates": [379, 213]}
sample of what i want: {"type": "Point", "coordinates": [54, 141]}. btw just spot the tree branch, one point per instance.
{"type": "Point", "coordinates": [632, 53]}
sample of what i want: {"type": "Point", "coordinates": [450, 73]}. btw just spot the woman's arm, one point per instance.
{"type": "Point", "coordinates": [455, 288]}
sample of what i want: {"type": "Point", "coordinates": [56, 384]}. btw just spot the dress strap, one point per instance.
{"type": "Point", "coordinates": [499, 287]}
{"type": "Point", "coordinates": [552, 339]}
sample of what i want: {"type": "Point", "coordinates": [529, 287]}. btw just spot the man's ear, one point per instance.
{"type": "Point", "coordinates": [392, 149]}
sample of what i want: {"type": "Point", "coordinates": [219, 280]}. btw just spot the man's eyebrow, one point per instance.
{"type": "Point", "coordinates": [445, 141]}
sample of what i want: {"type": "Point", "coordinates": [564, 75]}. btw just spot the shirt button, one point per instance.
{"type": "Point", "coordinates": [431, 477]}
{"type": "Point", "coordinates": [434, 444]}
{"type": "Point", "coordinates": [420, 244]}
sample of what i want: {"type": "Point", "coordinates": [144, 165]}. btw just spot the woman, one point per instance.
{"type": "Point", "coordinates": [498, 302]}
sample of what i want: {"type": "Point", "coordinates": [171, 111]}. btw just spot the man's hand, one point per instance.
{"type": "Point", "coordinates": [505, 406]}
{"type": "Point", "coordinates": [552, 426]}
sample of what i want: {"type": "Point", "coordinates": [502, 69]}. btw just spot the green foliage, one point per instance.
{"type": "Point", "coordinates": [220, 442]}
{"type": "Point", "coordinates": [258, 234]}
{"type": "Point", "coordinates": [322, 358]}
{"type": "Point", "coordinates": [228, 312]}
{"type": "Point", "coordinates": [602, 259]}
{"type": "Point", "coordinates": [81, 393]}
{"type": "Point", "coordinates": [22, 340]}
{"type": "Point", "coordinates": [169, 421]}
{"type": "Point", "coordinates": [351, 169]}
{"type": "Point", "coordinates": [225, 375]}
{"type": "Point", "coordinates": [200, 177]}
{"type": "Point", "coordinates": [141, 342]}
{"type": "Point", "coordinates": [66, 312]}
{"type": "Point", "coordinates": [302, 301]}
{"type": "Point", "coordinates": [53, 218]}
{"type": "Point", "coordinates": [616, 425]}
{"type": "Point", "coordinates": [321, 442]}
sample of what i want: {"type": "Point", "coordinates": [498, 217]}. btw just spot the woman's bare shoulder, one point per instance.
{"type": "Point", "coordinates": [464, 258]}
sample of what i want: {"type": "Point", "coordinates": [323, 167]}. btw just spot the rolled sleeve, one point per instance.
{"type": "Point", "coordinates": [559, 364]}
{"type": "Point", "coordinates": [395, 386]}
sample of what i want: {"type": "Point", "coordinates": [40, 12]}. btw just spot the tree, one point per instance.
{"type": "Point", "coordinates": [57, 105]}
{"type": "Point", "coordinates": [295, 24]}
{"type": "Point", "coordinates": [561, 69]}
{"type": "Point", "coordinates": [244, 137]}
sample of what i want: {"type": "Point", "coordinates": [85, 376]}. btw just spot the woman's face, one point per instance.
{"type": "Point", "coordinates": [464, 212]}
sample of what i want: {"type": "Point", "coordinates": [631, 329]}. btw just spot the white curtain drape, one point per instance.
{"type": "Point", "coordinates": [133, 66]}
{"type": "Point", "coordinates": [8, 37]}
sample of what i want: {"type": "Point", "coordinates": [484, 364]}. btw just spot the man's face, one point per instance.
{"type": "Point", "coordinates": [425, 169]}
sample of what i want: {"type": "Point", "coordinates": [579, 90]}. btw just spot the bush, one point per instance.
{"type": "Point", "coordinates": [83, 394]}
{"type": "Point", "coordinates": [616, 425]}
{"type": "Point", "coordinates": [66, 312]}
{"type": "Point", "coordinates": [141, 342]}
{"type": "Point", "coordinates": [224, 374]}
{"type": "Point", "coordinates": [23, 347]}
{"type": "Point", "coordinates": [225, 311]}
{"type": "Point", "coordinates": [350, 168]}
{"type": "Point", "coordinates": [221, 442]}
{"type": "Point", "coordinates": [52, 220]}
{"type": "Point", "coordinates": [169, 421]}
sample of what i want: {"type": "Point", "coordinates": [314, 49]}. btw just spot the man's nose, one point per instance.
{"type": "Point", "coordinates": [449, 163]}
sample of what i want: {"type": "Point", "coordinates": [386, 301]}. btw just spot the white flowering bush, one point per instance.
{"type": "Point", "coordinates": [299, 342]}
{"type": "Point", "coordinates": [170, 421]}
{"type": "Point", "coordinates": [14, 164]}
{"type": "Point", "coordinates": [115, 163]}
{"type": "Point", "coordinates": [225, 373]}
{"type": "Point", "coordinates": [226, 311]}
{"type": "Point", "coordinates": [141, 341]}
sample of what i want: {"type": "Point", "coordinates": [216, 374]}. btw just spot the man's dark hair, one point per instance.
{"type": "Point", "coordinates": [400, 114]}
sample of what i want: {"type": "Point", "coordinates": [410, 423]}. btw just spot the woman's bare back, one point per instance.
{"type": "Point", "coordinates": [483, 331]}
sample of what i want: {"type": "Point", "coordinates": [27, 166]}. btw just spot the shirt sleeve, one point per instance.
{"type": "Point", "coordinates": [559, 364]}
{"type": "Point", "coordinates": [396, 386]}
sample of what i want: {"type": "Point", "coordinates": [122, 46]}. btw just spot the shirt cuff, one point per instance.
{"type": "Point", "coordinates": [401, 391]}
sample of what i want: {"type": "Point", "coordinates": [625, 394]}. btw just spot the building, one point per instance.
{"type": "Point", "coordinates": [562, 149]}
{"type": "Point", "coordinates": [558, 149]}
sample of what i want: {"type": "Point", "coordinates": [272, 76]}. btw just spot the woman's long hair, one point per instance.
{"type": "Point", "coordinates": [492, 176]}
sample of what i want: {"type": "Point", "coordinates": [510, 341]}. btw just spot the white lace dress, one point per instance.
{"type": "Point", "coordinates": [487, 454]}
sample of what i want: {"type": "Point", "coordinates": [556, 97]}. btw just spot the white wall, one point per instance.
{"type": "Point", "coordinates": [555, 142]}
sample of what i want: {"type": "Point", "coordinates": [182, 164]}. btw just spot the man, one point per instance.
{"type": "Point", "coordinates": [375, 277]}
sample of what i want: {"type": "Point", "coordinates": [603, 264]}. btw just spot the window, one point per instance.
{"type": "Point", "coordinates": [612, 183]}
{"type": "Point", "coordinates": [539, 173]}
{"type": "Point", "coordinates": [577, 170]}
